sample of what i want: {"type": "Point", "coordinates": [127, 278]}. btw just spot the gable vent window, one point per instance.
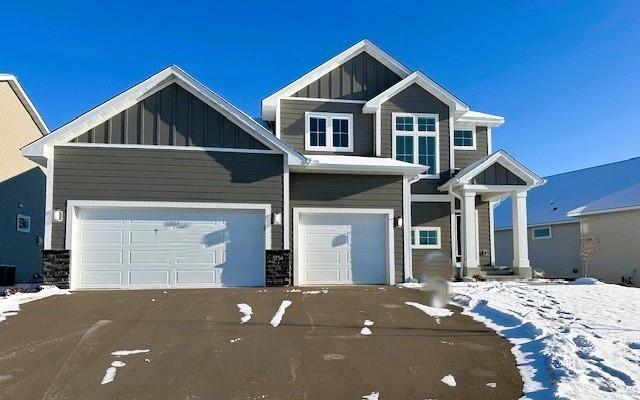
{"type": "Point", "coordinates": [328, 132]}
{"type": "Point", "coordinates": [415, 140]}
{"type": "Point", "coordinates": [464, 139]}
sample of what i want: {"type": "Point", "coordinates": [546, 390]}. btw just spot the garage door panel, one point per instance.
{"type": "Point", "coordinates": [171, 247]}
{"type": "Point", "coordinates": [325, 275]}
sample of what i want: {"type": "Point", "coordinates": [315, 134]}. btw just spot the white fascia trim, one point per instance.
{"type": "Point", "coordinates": [578, 212]}
{"type": "Point", "coordinates": [162, 147]}
{"type": "Point", "coordinates": [406, 213]}
{"type": "Point", "coordinates": [431, 198]}
{"type": "Point", "coordinates": [471, 128]}
{"type": "Point", "coordinates": [360, 169]}
{"type": "Point", "coordinates": [26, 102]}
{"type": "Point", "coordinates": [48, 202]}
{"type": "Point", "coordinates": [426, 83]}
{"type": "Point", "coordinates": [73, 205]}
{"type": "Point", "coordinates": [269, 103]}
{"type": "Point", "coordinates": [417, 229]}
{"type": "Point", "coordinates": [378, 132]}
{"type": "Point", "coordinates": [137, 93]}
{"type": "Point", "coordinates": [477, 118]}
{"type": "Point", "coordinates": [325, 100]}
{"type": "Point", "coordinates": [297, 211]}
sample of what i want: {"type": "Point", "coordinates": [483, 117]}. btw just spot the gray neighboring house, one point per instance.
{"type": "Point", "coordinates": [22, 182]}
{"type": "Point", "coordinates": [366, 173]}
{"type": "Point", "coordinates": [554, 229]}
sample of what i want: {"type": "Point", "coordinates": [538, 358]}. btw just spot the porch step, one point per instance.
{"type": "Point", "coordinates": [498, 271]}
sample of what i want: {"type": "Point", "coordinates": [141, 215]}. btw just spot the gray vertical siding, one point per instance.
{"type": "Point", "coordinates": [172, 116]}
{"type": "Point", "coordinates": [484, 232]}
{"type": "Point", "coordinates": [292, 120]}
{"type": "Point", "coordinates": [414, 99]}
{"type": "Point", "coordinates": [351, 191]}
{"type": "Point", "coordinates": [165, 175]}
{"type": "Point", "coordinates": [466, 157]}
{"type": "Point", "coordinates": [432, 262]}
{"type": "Point", "coordinates": [361, 78]}
{"type": "Point", "coordinates": [496, 174]}
{"type": "Point", "coordinates": [555, 258]}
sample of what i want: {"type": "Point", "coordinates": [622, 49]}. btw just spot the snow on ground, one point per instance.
{"type": "Point", "coordinates": [365, 331]}
{"type": "Point", "coordinates": [372, 396]}
{"type": "Point", "coordinates": [437, 313]}
{"type": "Point", "coordinates": [10, 305]}
{"type": "Point", "coordinates": [120, 353]}
{"type": "Point", "coordinates": [246, 311]}
{"type": "Point", "coordinates": [449, 380]}
{"type": "Point", "coordinates": [277, 318]}
{"type": "Point", "coordinates": [571, 341]}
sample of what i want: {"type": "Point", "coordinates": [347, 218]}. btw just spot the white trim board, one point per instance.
{"type": "Point", "coordinates": [167, 147]}
{"type": "Point", "coordinates": [269, 103]}
{"type": "Point", "coordinates": [137, 93]}
{"type": "Point", "coordinates": [297, 211]}
{"type": "Point", "coordinates": [428, 198]}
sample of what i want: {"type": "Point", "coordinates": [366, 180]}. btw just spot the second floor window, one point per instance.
{"type": "Point", "coordinates": [415, 140]}
{"type": "Point", "coordinates": [464, 139]}
{"type": "Point", "coordinates": [328, 132]}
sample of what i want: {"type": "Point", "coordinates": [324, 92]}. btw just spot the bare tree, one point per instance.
{"type": "Point", "coordinates": [588, 246]}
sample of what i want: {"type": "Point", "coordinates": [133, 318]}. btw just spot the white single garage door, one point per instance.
{"type": "Point", "coordinates": [343, 248]}
{"type": "Point", "coordinates": [144, 248]}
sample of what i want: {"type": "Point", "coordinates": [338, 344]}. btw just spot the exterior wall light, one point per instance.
{"type": "Point", "coordinates": [58, 215]}
{"type": "Point", "coordinates": [276, 218]}
{"type": "Point", "coordinates": [398, 222]}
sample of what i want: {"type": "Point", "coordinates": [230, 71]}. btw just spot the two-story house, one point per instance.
{"type": "Point", "coordinates": [366, 173]}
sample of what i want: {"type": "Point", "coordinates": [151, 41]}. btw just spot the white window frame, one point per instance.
{"type": "Point", "coordinates": [329, 117]}
{"type": "Point", "coordinates": [473, 135]}
{"type": "Point", "coordinates": [28, 228]}
{"type": "Point", "coordinates": [533, 230]}
{"type": "Point", "coordinates": [416, 235]}
{"type": "Point", "coordinates": [415, 134]}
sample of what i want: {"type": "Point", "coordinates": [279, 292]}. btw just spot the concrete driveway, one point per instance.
{"type": "Point", "coordinates": [60, 347]}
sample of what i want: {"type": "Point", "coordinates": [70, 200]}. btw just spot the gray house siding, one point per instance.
{"type": "Point", "coordinates": [484, 233]}
{"type": "Point", "coordinates": [467, 157]}
{"type": "Point", "coordinates": [22, 194]}
{"type": "Point", "coordinates": [361, 78]}
{"type": "Point", "coordinates": [496, 174]}
{"type": "Point", "coordinates": [171, 116]}
{"type": "Point", "coordinates": [557, 257]}
{"type": "Point", "coordinates": [432, 262]}
{"type": "Point", "coordinates": [351, 191]}
{"type": "Point", "coordinates": [292, 120]}
{"type": "Point", "coordinates": [414, 99]}
{"type": "Point", "coordinates": [165, 175]}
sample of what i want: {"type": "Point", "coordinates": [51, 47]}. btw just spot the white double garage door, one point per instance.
{"type": "Point", "coordinates": [151, 246]}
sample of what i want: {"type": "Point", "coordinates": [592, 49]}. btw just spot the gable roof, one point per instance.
{"type": "Point", "coordinates": [135, 94]}
{"type": "Point", "coordinates": [426, 83]}
{"type": "Point", "coordinates": [623, 200]}
{"type": "Point", "coordinates": [565, 192]}
{"type": "Point", "coordinates": [503, 158]}
{"type": "Point", "coordinates": [269, 103]}
{"type": "Point", "coordinates": [26, 102]}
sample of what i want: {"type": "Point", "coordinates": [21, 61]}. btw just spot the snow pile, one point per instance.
{"type": "Point", "coordinates": [435, 312]}
{"type": "Point", "coordinates": [121, 353]}
{"type": "Point", "coordinates": [372, 396]}
{"type": "Point", "coordinates": [246, 311]}
{"type": "Point", "coordinates": [10, 305]}
{"type": "Point", "coordinates": [571, 341]}
{"type": "Point", "coordinates": [449, 380]}
{"type": "Point", "coordinates": [277, 318]}
{"type": "Point", "coordinates": [586, 281]}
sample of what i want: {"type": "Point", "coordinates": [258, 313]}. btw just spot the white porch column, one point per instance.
{"type": "Point", "coordinates": [520, 240]}
{"type": "Point", "coordinates": [470, 257]}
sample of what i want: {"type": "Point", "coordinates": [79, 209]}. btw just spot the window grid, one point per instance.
{"type": "Point", "coordinates": [318, 131]}
{"type": "Point", "coordinates": [463, 138]}
{"type": "Point", "coordinates": [340, 132]}
{"type": "Point", "coordinates": [416, 141]}
{"type": "Point", "coordinates": [328, 132]}
{"type": "Point", "coordinates": [425, 237]}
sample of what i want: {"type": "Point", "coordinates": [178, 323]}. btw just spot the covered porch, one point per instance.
{"type": "Point", "coordinates": [489, 180]}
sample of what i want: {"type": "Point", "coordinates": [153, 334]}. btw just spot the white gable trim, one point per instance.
{"type": "Point", "coordinates": [269, 103]}
{"type": "Point", "coordinates": [426, 83]}
{"type": "Point", "coordinates": [26, 102]}
{"type": "Point", "coordinates": [501, 157]}
{"type": "Point", "coordinates": [137, 93]}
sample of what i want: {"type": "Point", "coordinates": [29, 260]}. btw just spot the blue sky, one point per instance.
{"type": "Point", "coordinates": [565, 74]}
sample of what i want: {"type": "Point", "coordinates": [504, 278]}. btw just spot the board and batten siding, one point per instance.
{"type": "Point", "coordinates": [84, 173]}
{"type": "Point", "coordinates": [496, 174]}
{"type": "Point", "coordinates": [618, 252]}
{"type": "Point", "coordinates": [414, 99]}
{"type": "Point", "coordinates": [432, 262]}
{"type": "Point", "coordinates": [351, 191]}
{"type": "Point", "coordinates": [464, 158]}
{"type": "Point", "coordinates": [484, 233]}
{"type": "Point", "coordinates": [361, 78]}
{"type": "Point", "coordinates": [171, 116]}
{"type": "Point", "coordinates": [292, 124]}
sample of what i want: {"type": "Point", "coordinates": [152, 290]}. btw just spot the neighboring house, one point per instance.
{"type": "Point", "coordinates": [554, 232]}
{"type": "Point", "coordinates": [169, 185]}
{"type": "Point", "coordinates": [22, 182]}
{"type": "Point", "coordinates": [614, 222]}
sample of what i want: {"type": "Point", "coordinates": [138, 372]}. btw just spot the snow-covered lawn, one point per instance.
{"type": "Point", "coordinates": [10, 305]}
{"type": "Point", "coordinates": [572, 341]}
